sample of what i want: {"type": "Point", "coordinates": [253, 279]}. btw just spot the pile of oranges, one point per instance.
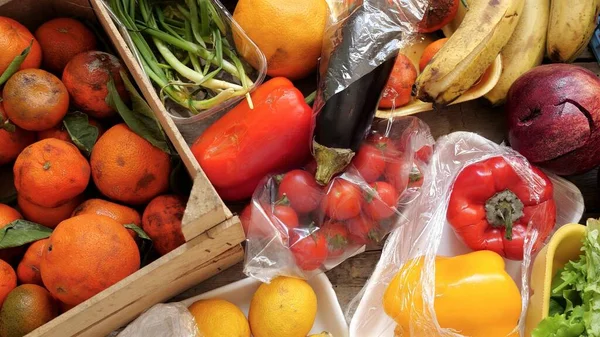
{"type": "Point", "coordinates": [85, 198]}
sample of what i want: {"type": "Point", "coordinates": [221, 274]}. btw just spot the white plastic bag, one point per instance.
{"type": "Point", "coordinates": [163, 320]}
{"type": "Point", "coordinates": [424, 231]}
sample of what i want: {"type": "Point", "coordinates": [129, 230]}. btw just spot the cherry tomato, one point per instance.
{"type": "Point", "coordinates": [385, 144]}
{"type": "Point", "coordinates": [256, 225]}
{"type": "Point", "coordinates": [342, 201]}
{"type": "Point", "coordinates": [398, 89]}
{"type": "Point", "coordinates": [362, 230]}
{"type": "Point", "coordinates": [369, 162]}
{"type": "Point", "coordinates": [302, 191]}
{"type": "Point", "coordinates": [285, 216]}
{"type": "Point", "coordinates": [437, 14]}
{"type": "Point", "coordinates": [381, 202]}
{"type": "Point", "coordinates": [311, 251]}
{"type": "Point", "coordinates": [337, 237]}
{"type": "Point", "coordinates": [397, 174]}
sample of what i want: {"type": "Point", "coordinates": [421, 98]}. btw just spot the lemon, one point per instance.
{"type": "Point", "coordinates": [219, 318]}
{"type": "Point", "coordinates": [286, 307]}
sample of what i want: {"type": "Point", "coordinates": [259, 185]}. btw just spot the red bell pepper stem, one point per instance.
{"type": "Point", "coordinates": [503, 210]}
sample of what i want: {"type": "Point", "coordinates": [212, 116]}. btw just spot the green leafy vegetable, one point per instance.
{"type": "Point", "coordinates": [140, 118]}
{"type": "Point", "coordinates": [561, 326]}
{"type": "Point", "coordinates": [82, 133]}
{"type": "Point", "coordinates": [575, 297]}
{"type": "Point", "coordinates": [22, 232]}
{"type": "Point", "coordinates": [14, 65]}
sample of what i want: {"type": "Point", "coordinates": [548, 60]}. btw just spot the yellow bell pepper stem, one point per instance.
{"type": "Point", "coordinates": [474, 296]}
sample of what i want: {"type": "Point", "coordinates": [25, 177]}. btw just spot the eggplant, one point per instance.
{"type": "Point", "coordinates": [356, 73]}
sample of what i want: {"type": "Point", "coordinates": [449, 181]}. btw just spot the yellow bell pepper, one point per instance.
{"type": "Point", "coordinates": [474, 296]}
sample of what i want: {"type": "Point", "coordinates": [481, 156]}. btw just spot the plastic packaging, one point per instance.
{"type": "Point", "coordinates": [297, 228]}
{"type": "Point", "coordinates": [163, 320]}
{"type": "Point", "coordinates": [424, 231]}
{"type": "Point", "coordinates": [361, 42]}
{"type": "Point", "coordinates": [192, 125]}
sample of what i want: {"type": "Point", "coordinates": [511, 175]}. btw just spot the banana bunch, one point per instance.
{"type": "Point", "coordinates": [521, 31]}
{"type": "Point", "coordinates": [572, 24]}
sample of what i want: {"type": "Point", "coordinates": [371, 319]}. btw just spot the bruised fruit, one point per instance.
{"type": "Point", "coordinates": [86, 77]}
{"type": "Point", "coordinates": [88, 247]}
{"type": "Point", "coordinates": [162, 222]}
{"type": "Point", "coordinates": [554, 118]}
{"type": "Point", "coordinates": [35, 100]}
{"type": "Point", "coordinates": [51, 173]}
{"type": "Point", "coordinates": [397, 91]}
{"type": "Point", "coordinates": [127, 168]}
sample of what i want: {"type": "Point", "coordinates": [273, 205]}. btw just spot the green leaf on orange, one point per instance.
{"type": "Point", "coordinates": [82, 133]}
{"type": "Point", "coordinates": [140, 117]}
{"type": "Point", "coordinates": [14, 65]}
{"type": "Point", "coordinates": [146, 243]}
{"type": "Point", "coordinates": [22, 232]}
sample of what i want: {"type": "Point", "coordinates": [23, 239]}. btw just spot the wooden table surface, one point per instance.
{"type": "Point", "coordinates": [475, 116]}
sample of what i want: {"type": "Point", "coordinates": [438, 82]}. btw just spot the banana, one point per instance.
{"type": "Point", "coordinates": [525, 49]}
{"type": "Point", "coordinates": [572, 24]}
{"type": "Point", "coordinates": [485, 30]}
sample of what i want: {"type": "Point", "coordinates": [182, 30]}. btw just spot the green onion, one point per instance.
{"type": "Point", "coordinates": [183, 49]}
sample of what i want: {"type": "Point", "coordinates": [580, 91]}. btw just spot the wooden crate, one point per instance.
{"type": "Point", "coordinates": [212, 233]}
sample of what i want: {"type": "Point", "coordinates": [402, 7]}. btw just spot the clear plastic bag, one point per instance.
{"type": "Point", "coordinates": [297, 228]}
{"type": "Point", "coordinates": [163, 320]}
{"type": "Point", "coordinates": [424, 233]}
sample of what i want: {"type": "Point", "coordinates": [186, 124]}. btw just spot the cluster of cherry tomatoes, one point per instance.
{"type": "Point", "coordinates": [354, 209]}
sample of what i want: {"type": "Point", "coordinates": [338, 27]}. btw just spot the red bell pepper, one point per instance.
{"type": "Point", "coordinates": [491, 206]}
{"type": "Point", "coordinates": [245, 145]}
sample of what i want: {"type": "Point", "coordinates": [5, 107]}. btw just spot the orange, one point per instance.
{"type": "Point", "coordinates": [12, 142]}
{"type": "Point", "coordinates": [127, 168]}
{"type": "Point", "coordinates": [28, 271]}
{"type": "Point", "coordinates": [60, 132]}
{"type": "Point", "coordinates": [35, 100]}
{"type": "Point", "coordinates": [26, 308]}
{"type": "Point", "coordinates": [8, 215]}
{"type": "Point", "coordinates": [85, 255]}
{"type": "Point", "coordinates": [8, 280]}
{"type": "Point", "coordinates": [61, 39]}
{"type": "Point", "coordinates": [430, 52]}
{"type": "Point", "coordinates": [121, 214]}
{"type": "Point", "coordinates": [289, 33]}
{"type": "Point", "coordinates": [398, 89]}
{"type": "Point", "coordinates": [48, 216]}
{"type": "Point", "coordinates": [51, 172]}
{"type": "Point", "coordinates": [162, 222]}
{"type": "Point", "coordinates": [86, 77]}
{"type": "Point", "coordinates": [14, 38]}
